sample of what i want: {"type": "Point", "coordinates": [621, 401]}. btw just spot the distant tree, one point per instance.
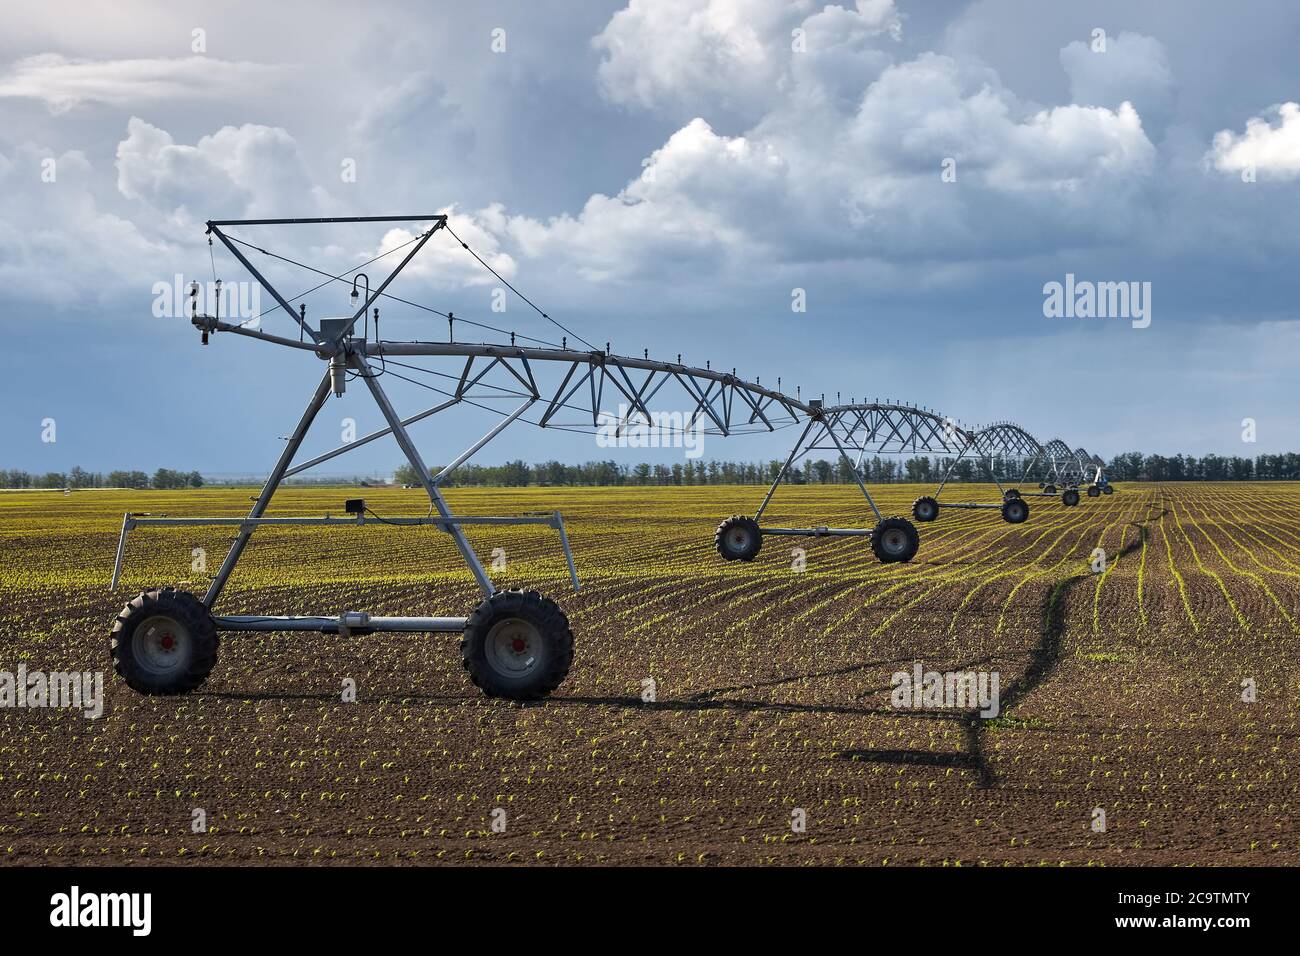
{"type": "Point", "coordinates": [167, 478]}
{"type": "Point", "coordinates": [515, 473]}
{"type": "Point", "coordinates": [404, 474]}
{"type": "Point", "coordinates": [553, 473]}
{"type": "Point", "coordinates": [843, 471]}
{"type": "Point", "coordinates": [1155, 468]}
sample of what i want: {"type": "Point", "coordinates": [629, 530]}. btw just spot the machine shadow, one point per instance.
{"type": "Point", "coordinates": [1044, 659]}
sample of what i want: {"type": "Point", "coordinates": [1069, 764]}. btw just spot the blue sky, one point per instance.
{"type": "Point", "coordinates": [661, 175]}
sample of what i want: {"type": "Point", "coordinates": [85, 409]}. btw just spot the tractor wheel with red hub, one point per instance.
{"type": "Point", "coordinates": [738, 538]}
{"type": "Point", "coordinates": [517, 645]}
{"type": "Point", "coordinates": [894, 539]}
{"type": "Point", "coordinates": [1015, 510]}
{"type": "Point", "coordinates": [925, 508]}
{"type": "Point", "coordinates": [163, 642]}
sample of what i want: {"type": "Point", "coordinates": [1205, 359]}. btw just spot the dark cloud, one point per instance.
{"type": "Point", "coordinates": [664, 174]}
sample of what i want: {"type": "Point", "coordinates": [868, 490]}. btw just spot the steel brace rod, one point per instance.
{"type": "Point", "coordinates": [857, 475]}
{"type": "Point", "coordinates": [366, 439]}
{"type": "Point", "coordinates": [422, 471]}
{"type": "Point", "coordinates": [268, 489]}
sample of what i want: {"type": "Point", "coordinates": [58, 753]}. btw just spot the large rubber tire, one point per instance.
{"type": "Point", "coordinates": [738, 538]}
{"type": "Point", "coordinates": [1011, 493]}
{"type": "Point", "coordinates": [1070, 497]}
{"type": "Point", "coordinates": [1108, 490]}
{"type": "Point", "coordinates": [1094, 491]}
{"type": "Point", "coordinates": [163, 642]}
{"type": "Point", "coordinates": [925, 508]}
{"type": "Point", "coordinates": [1050, 489]}
{"type": "Point", "coordinates": [517, 645]}
{"type": "Point", "coordinates": [1015, 511]}
{"type": "Point", "coordinates": [894, 539]}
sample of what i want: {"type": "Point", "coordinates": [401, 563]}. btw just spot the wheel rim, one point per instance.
{"type": "Point", "coordinates": [738, 540]}
{"type": "Point", "coordinates": [894, 541]}
{"type": "Point", "coordinates": [514, 647]}
{"type": "Point", "coordinates": [925, 512]}
{"type": "Point", "coordinates": [161, 645]}
{"type": "Point", "coordinates": [1017, 513]}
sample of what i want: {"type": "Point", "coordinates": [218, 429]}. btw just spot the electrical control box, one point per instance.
{"type": "Point", "coordinates": [331, 330]}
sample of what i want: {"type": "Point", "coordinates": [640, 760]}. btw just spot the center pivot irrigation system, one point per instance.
{"type": "Point", "coordinates": [854, 430]}
{"type": "Point", "coordinates": [1070, 469]}
{"type": "Point", "coordinates": [515, 644]}
{"type": "Point", "coordinates": [1004, 447]}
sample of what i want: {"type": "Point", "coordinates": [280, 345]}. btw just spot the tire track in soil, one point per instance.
{"type": "Point", "coordinates": [1044, 658]}
{"type": "Point", "coordinates": [1110, 567]}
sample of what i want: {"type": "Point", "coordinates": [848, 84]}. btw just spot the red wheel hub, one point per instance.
{"type": "Point", "coordinates": [519, 645]}
{"type": "Point", "coordinates": [168, 642]}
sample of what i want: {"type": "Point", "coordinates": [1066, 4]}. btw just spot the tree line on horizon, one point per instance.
{"type": "Point", "coordinates": [1130, 466]}
{"type": "Point", "coordinates": [163, 478]}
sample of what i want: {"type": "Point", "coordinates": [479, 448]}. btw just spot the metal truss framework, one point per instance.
{"type": "Point", "coordinates": [851, 432]}
{"type": "Point", "coordinates": [1061, 464]}
{"type": "Point", "coordinates": [1004, 443]}
{"type": "Point", "coordinates": [561, 388]}
{"type": "Point", "coordinates": [1083, 465]}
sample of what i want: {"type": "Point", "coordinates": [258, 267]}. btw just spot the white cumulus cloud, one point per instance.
{"type": "Point", "coordinates": [736, 56]}
{"type": "Point", "coordinates": [861, 179]}
{"type": "Point", "coordinates": [443, 261]}
{"type": "Point", "coordinates": [236, 172]}
{"type": "Point", "coordinates": [1270, 145]}
{"type": "Point", "coordinates": [58, 240]}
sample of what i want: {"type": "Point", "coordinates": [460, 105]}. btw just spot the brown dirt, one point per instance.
{"type": "Point", "coordinates": [1120, 691]}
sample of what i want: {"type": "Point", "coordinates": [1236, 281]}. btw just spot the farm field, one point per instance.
{"type": "Point", "coordinates": [1120, 690]}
